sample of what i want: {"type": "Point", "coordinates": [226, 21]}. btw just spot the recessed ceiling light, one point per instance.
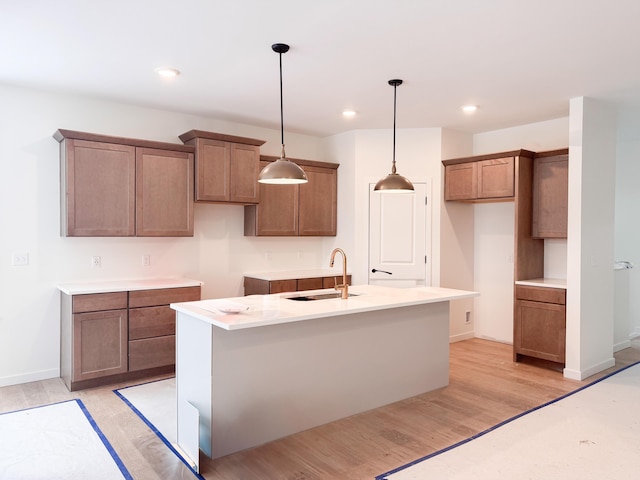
{"type": "Point", "coordinates": [348, 113]}
{"type": "Point", "coordinates": [167, 72]}
{"type": "Point", "coordinates": [469, 108]}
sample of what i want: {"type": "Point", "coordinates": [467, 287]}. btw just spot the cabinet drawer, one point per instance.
{"type": "Point", "coordinates": [163, 296]}
{"type": "Point", "coordinates": [279, 286]}
{"type": "Point", "coordinates": [99, 301]}
{"type": "Point", "coordinates": [310, 283]}
{"type": "Point", "coordinates": [330, 282]}
{"type": "Point", "coordinates": [541, 294]}
{"type": "Point", "coordinates": [152, 352]}
{"type": "Point", "coordinates": [149, 322]}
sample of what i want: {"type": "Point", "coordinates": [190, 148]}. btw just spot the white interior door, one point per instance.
{"type": "Point", "coordinates": [398, 238]}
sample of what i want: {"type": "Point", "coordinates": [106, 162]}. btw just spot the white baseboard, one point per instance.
{"type": "Point", "coordinates": [461, 336]}
{"type": "Point", "coordinates": [29, 377]}
{"type": "Point", "coordinates": [586, 373]}
{"type": "Point", "coordinates": [621, 345]}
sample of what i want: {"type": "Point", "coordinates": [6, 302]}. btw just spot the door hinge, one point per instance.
{"type": "Point", "coordinates": [425, 259]}
{"type": "Point", "coordinates": [426, 201]}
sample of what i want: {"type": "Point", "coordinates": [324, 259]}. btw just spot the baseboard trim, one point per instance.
{"type": "Point", "coordinates": [460, 337]}
{"type": "Point", "coordinates": [621, 345]}
{"type": "Point", "coordinates": [29, 377]}
{"type": "Point", "coordinates": [586, 373]}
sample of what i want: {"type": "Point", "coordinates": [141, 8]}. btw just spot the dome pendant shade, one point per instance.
{"type": "Point", "coordinates": [282, 171]}
{"type": "Point", "coordinates": [394, 182]}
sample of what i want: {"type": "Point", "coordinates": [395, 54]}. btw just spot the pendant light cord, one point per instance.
{"type": "Point", "coordinates": [281, 109]}
{"type": "Point", "coordinates": [393, 163]}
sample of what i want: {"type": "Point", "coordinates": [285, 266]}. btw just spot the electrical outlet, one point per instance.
{"type": "Point", "coordinates": [467, 317]}
{"type": "Point", "coordinates": [146, 260]}
{"type": "Point", "coordinates": [96, 261]}
{"type": "Point", "coordinates": [20, 259]}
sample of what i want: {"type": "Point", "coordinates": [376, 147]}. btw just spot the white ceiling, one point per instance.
{"type": "Point", "coordinates": [520, 61]}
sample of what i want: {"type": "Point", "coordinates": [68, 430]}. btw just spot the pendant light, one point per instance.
{"type": "Point", "coordinates": [394, 182]}
{"type": "Point", "coordinates": [282, 171]}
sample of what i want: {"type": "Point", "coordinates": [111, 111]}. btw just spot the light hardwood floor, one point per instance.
{"type": "Point", "coordinates": [486, 387]}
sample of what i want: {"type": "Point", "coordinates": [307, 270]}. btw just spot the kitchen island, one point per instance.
{"type": "Point", "coordinates": [284, 365]}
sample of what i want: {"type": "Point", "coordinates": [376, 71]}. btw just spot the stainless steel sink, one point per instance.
{"type": "Point", "coordinates": [320, 296]}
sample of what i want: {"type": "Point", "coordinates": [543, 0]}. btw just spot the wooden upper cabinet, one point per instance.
{"type": "Point", "coordinates": [481, 179]}
{"type": "Point", "coordinates": [495, 178]}
{"type": "Point", "coordinates": [226, 167]}
{"type": "Point", "coordinates": [277, 212]}
{"type": "Point", "coordinates": [550, 195]}
{"type": "Point", "coordinates": [308, 209]}
{"type": "Point", "coordinates": [318, 203]}
{"type": "Point", "coordinates": [164, 193]}
{"type": "Point", "coordinates": [97, 189]}
{"type": "Point", "coordinates": [461, 181]}
{"type": "Point", "coordinates": [113, 186]}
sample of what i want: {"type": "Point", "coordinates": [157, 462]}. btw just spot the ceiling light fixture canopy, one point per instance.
{"type": "Point", "coordinates": [282, 171]}
{"type": "Point", "coordinates": [394, 182]}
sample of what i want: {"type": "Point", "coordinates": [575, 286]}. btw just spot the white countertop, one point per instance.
{"type": "Point", "coordinates": [291, 274]}
{"type": "Point", "coordinates": [106, 286]}
{"type": "Point", "coordinates": [544, 282]}
{"type": "Point", "coordinates": [274, 309]}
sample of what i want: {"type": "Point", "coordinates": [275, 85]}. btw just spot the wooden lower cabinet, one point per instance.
{"type": "Point", "coordinates": [100, 348]}
{"type": "Point", "coordinates": [540, 323]}
{"type": "Point", "coordinates": [259, 286]}
{"type": "Point", "coordinates": [116, 336]}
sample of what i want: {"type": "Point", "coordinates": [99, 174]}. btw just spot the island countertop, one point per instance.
{"type": "Point", "coordinates": [262, 310]}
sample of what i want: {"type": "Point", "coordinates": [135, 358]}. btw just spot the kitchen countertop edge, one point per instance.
{"type": "Point", "coordinates": [544, 282]}
{"type": "Point", "coordinates": [126, 285]}
{"type": "Point", "coordinates": [278, 309]}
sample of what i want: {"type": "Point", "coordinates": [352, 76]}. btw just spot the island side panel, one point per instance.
{"type": "Point", "coordinates": [193, 377]}
{"type": "Point", "coordinates": [273, 381]}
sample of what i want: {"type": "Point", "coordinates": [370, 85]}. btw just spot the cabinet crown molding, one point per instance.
{"type": "Point", "coordinates": [490, 156]}
{"type": "Point", "coordinates": [62, 134]}
{"type": "Point", "coordinates": [191, 134]}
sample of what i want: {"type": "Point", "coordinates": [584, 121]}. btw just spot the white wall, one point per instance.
{"type": "Point", "coordinates": [218, 253]}
{"type": "Point", "coordinates": [371, 153]}
{"type": "Point", "coordinates": [590, 242]}
{"type": "Point", "coordinates": [456, 242]}
{"type": "Point", "coordinates": [627, 222]}
{"type": "Point", "coordinates": [494, 231]}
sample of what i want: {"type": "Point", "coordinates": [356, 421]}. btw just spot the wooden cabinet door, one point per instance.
{"type": "Point", "coordinates": [98, 189]}
{"type": "Point", "coordinates": [212, 170]}
{"type": "Point", "coordinates": [550, 197]}
{"type": "Point", "coordinates": [99, 344]}
{"type": "Point", "coordinates": [164, 193]}
{"type": "Point", "coordinates": [540, 330]}
{"type": "Point", "coordinates": [318, 203]}
{"type": "Point", "coordinates": [277, 211]}
{"type": "Point", "coordinates": [496, 178]}
{"type": "Point", "coordinates": [244, 170]}
{"type": "Point", "coordinates": [460, 181]}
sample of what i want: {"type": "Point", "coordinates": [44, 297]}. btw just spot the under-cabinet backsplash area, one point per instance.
{"type": "Point", "coordinates": [555, 258]}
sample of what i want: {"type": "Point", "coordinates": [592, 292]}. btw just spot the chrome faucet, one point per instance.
{"type": "Point", "coordinates": [344, 287]}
